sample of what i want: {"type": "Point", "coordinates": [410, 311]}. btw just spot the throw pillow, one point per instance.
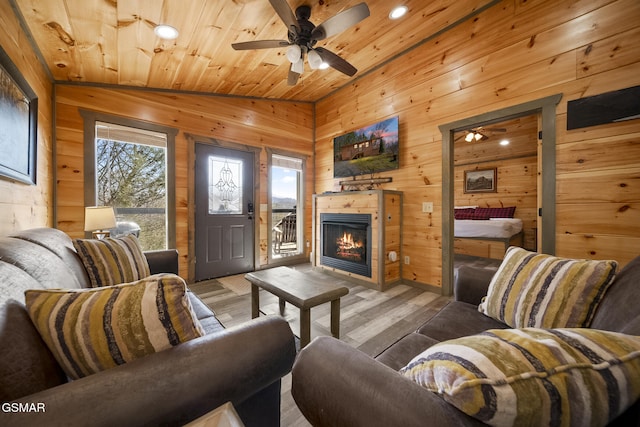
{"type": "Point", "coordinates": [486, 213]}
{"type": "Point", "coordinates": [112, 261]}
{"type": "Point", "coordinates": [90, 330]}
{"type": "Point", "coordinates": [534, 377]}
{"type": "Point", "coordinates": [463, 213]}
{"type": "Point", "coordinates": [543, 291]}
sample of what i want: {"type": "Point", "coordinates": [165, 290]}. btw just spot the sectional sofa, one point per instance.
{"type": "Point", "coordinates": [336, 385]}
{"type": "Point", "coordinates": [243, 365]}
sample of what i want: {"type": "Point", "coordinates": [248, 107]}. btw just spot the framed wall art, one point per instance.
{"type": "Point", "coordinates": [480, 181]}
{"type": "Point", "coordinates": [18, 124]}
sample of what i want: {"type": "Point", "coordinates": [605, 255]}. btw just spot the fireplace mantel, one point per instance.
{"type": "Point", "coordinates": [385, 208]}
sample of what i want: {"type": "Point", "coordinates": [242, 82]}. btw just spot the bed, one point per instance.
{"type": "Point", "coordinates": [477, 233]}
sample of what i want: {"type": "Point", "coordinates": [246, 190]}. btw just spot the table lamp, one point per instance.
{"type": "Point", "coordinates": [98, 220]}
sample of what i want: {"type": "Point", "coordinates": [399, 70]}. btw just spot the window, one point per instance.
{"type": "Point", "coordinates": [136, 137]}
{"type": "Point", "coordinates": [286, 197]}
{"type": "Point", "coordinates": [131, 176]}
{"type": "Point", "coordinates": [225, 186]}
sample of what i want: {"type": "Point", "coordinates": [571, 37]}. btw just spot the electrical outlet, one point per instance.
{"type": "Point", "coordinates": [427, 207]}
{"type": "Point", "coordinates": [406, 260]}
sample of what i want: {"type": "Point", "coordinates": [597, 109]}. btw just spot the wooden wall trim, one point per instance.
{"type": "Point", "coordinates": [90, 117]}
{"type": "Point", "coordinates": [545, 106]}
{"type": "Point", "coordinates": [192, 140]}
{"type": "Point", "coordinates": [301, 211]}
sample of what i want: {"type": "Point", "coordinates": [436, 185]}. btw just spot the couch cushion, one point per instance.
{"type": "Point", "coordinates": [61, 245]}
{"type": "Point", "coordinates": [402, 351]}
{"type": "Point", "coordinates": [538, 290]}
{"type": "Point", "coordinates": [112, 261]}
{"type": "Point", "coordinates": [26, 364]}
{"type": "Point", "coordinates": [458, 319]}
{"type": "Point", "coordinates": [534, 376]}
{"type": "Point", "coordinates": [90, 330]}
{"type": "Point", "coordinates": [205, 315]}
{"type": "Point", "coordinates": [616, 313]}
{"type": "Point", "coordinates": [37, 261]}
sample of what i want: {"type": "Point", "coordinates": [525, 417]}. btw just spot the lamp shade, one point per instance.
{"type": "Point", "coordinates": [294, 53]}
{"type": "Point", "coordinates": [314, 59]}
{"type": "Point", "coordinates": [99, 218]}
{"type": "Point", "coordinates": [298, 67]}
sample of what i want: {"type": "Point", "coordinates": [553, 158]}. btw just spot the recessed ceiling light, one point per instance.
{"type": "Point", "coordinates": [504, 142]}
{"type": "Point", "coordinates": [398, 12]}
{"type": "Point", "coordinates": [165, 32]}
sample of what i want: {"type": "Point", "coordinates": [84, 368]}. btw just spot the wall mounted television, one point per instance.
{"type": "Point", "coordinates": [368, 150]}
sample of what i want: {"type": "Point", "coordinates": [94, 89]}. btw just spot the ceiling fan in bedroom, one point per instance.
{"type": "Point", "coordinates": [303, 36]}
{"type": "Point", "coordinates": [478, 134]}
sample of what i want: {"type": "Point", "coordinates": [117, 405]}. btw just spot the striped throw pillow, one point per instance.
{"type": "Point", "coordinates": [534, 377]}
{"type": "Point", "coordinates": [90, 330]}
{"type": "Point", "coordinates": [543, 291]}
{"type": "Point", "coordinates": [112, 261]}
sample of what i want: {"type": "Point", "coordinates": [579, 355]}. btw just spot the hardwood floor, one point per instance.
{"type": "Point", "coordinates": [369, 320]}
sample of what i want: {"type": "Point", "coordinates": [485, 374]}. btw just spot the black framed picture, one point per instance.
{"type": "Point", "coordinates": [480, 181]}
{"type": "Point", "coordinates": [18, 124]}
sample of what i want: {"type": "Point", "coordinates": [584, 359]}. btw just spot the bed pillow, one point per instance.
{"type": "Point", "coordinates": [486, 213]}
{"type": "Point", "coordinates": [537, 290]}
{"type": "Point", "coordinates": [112, 261]}
{"type": "Point", "coordinates": [463, 213]}
{"type": "Point", "coordinates": [534, 377]}
{"type": "Point", "coordinates": [91, 330]}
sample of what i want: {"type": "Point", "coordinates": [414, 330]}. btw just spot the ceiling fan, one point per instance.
{"type": "Point", "coordinates": [478, 134]}
{"type": "Point", "coordinates": [303, 36]}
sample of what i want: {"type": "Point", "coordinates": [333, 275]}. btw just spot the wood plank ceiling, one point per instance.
{"type": "Point", "coordinates": [112, 42]}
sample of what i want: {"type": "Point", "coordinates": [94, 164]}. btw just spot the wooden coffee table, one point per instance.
{"type": "Point", "coordinates": [303, 290]}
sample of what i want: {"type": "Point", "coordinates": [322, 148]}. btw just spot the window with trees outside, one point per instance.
{"type": "Point", "coordinates": [286, 198]}
{"type": "Point", "coordinates": [131, 176]}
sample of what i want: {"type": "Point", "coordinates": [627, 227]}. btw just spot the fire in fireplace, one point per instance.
{"type": "Point", "coordinates": [346, 242]}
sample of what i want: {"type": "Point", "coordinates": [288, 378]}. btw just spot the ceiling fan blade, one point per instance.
{"type": "Point", "coordinates": [336, 62]}
{"type": "Point", "coordinates": [293, 77]}
{"type": "Point", "coordinates": [286, 14]}
{"type": "Point", "coordinates": [340, 22]}
{"type": "Point", "coordinates": [260, 44]}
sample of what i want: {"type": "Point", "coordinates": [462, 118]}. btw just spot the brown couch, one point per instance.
{"type": "Point", "coordinates": [336, 385]}
{"type": "Point", "coordinates": [243, 365]}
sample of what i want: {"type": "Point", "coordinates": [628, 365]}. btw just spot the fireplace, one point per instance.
{"type": "Point", "coordinates": [345, 242]}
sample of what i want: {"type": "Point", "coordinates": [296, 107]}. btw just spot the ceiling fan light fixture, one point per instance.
{"type": "Point", "coordinates": [294, 53]}
{"type": "Point", "coordinates": [315, 61]}
{"type": "Point", "coordinates": [323, 66]}
{"type": "Point", "coordinates": [398, 12]}
{"type": "Point", "coordinates": [166, 32]}
{"type": "Point", "coordinates": [298, 67]}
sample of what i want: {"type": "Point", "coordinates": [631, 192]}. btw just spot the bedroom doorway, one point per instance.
{"type": "Point", "coordinates": [545, 112]}
{"type": "Point", "coordinates": [496, 184]}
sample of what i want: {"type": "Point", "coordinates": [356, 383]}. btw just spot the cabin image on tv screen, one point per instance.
{"type": "Point", "coordinates": [367, 150]}
{"type": "Point", "coordinates": [358, 150]}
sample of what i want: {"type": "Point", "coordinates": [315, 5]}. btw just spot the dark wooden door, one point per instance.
{"type": "Point", "coordinates": [224, 230]}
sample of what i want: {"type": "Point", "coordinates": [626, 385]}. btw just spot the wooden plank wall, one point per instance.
{"type": "Point", "coordinates": [258, 123]}
{"type": "Point", "coordinates": [26, 206]}
{"type": "Point", "coordinates": [514, 52]}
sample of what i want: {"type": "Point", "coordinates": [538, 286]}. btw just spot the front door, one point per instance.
{"type": "Point", "coordinates": [224, 213]}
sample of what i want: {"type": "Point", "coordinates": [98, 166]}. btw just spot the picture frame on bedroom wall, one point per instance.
{"type": "Point", "coordinates": [480, 180]}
